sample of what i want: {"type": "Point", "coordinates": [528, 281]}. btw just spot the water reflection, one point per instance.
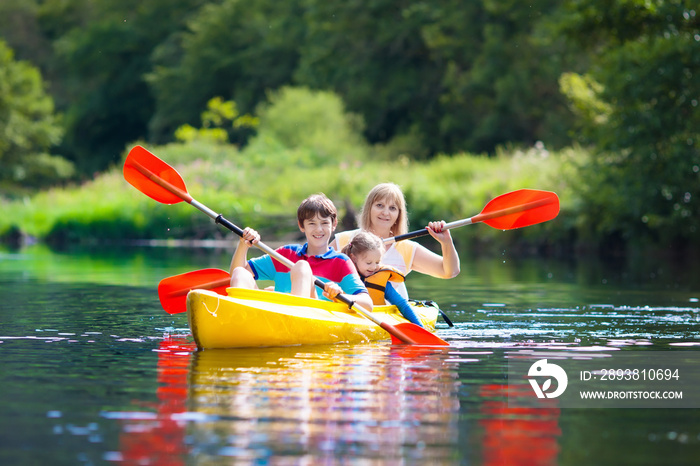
{"type": "Point", "coordinates": [514, 435]}
{"type": "Point", "coordinates": [368, 402]}
{"type": "Point", "coordinates": [104, 265]}
{"type": "Point", "coordinates": [298, 404]}
{"type": "Point", "coordinates": [82, 339]}
{"type": "Point", "coordinates": [155, 433]}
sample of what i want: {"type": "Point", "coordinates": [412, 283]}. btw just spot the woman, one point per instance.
{"type": "Point", "coordinates": [384, 214]}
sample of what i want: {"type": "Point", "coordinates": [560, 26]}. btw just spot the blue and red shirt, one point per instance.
{"type": "Point", "coordinates": [330, 266]}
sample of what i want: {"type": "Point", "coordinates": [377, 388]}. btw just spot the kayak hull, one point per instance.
{"type": "Point", "coordinates": [254, 318]}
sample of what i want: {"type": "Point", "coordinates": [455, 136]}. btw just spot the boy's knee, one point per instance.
{"type": "Point", "coordinates": [241, 278]}
{"type": "Point", "coordinates": [302, 276]}
{"type": "Point", "coordinates": [301, 269]}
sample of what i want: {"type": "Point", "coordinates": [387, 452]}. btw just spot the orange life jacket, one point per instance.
{"type": "Point", "coordinates": [376, 283]}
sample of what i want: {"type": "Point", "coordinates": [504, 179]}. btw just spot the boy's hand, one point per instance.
{"type": "Point", "coordinates": [249, 237]}
{"type": "Point", "coordinates": [331, 290]}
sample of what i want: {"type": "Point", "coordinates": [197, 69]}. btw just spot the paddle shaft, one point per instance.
{"type": "Point", "coordinates": [475, 219]}
{"type": "Point", "coordinates": [219, 218]}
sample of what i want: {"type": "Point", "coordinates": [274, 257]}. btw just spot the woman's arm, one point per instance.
{"type": "Point", "coordinates": [427, 262]}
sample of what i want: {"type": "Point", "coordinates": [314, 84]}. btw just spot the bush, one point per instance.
{"type": "Point", "coordinates": [306, 128]}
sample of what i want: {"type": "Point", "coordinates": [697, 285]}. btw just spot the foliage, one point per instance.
{"type": "Point", "coordinates": [102, 52]}
{"type": "Point", "coordinates": [305, 128]}
{"type": "Point", "coordinates": [425, 78]}
{"type": "Point", "coordinates": [266, 195]}
{"type": "Point", "coordinates": [462, 76]}
{"type": "Point", "coordinates": [643, 118]}
{"type": "Point", "coordinates": [446, 77]}
{"type": "Point", "coordinates": [20, 28]}
{"type": "Point", "coordinates": [583, 94]}
{"type": "Point", "coordinates": [500, 84]}
{"type": "Point", "coordinates": [219, 120]}
{"type": "Point", "coordinates": [373, 55]}
{"type": "Point", "coordinates": [28, 127]}
{"type": "Point", "coordinates": [234, 49]}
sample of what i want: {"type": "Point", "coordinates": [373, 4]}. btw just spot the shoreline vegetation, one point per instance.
{"type": "Point", "coordinates": [107, 210]}
{"type": "Point", "coordinates": [306, 143]}
{"type": "Point", "coordinates": [248, 192]}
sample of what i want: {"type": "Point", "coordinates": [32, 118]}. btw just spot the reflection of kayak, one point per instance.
{"type": "Point", "coordinates": [248, 318]}
{"type": "Point", "coordinates": [323, 404]}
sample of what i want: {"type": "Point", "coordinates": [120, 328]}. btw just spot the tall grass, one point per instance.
{"type": "Point", "coordinates": [262, 184]}
{"type": "Point", "coordinates": [266, 195]}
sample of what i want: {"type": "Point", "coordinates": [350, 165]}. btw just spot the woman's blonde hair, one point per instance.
{"type": "Point", "coordinates": [362, 242]}
{"type": "Point", "coordinates": [393, 193]}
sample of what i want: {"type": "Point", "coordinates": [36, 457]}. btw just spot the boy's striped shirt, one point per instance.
{"type": "Point", "coordinates": [330, 266]}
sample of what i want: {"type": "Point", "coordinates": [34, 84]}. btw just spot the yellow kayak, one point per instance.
{"type": "Point", "coordinates": [252, 318]}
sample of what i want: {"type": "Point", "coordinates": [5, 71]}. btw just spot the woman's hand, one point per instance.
{"type": "Point", "coordinates": [249, 237]}
{"type": "Point", "coordinates": [426, 261]}
{"type": "Point", "coordinates": [438, 231]}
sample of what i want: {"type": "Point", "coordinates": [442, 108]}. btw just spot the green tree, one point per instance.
{"type": "Point", "coordinates": [28, 127]}
{"type": "Point", "coordinates": [642, 114]}
{"type": "Point", "coordinates": [102, 56]}
{"type": "Point", "coordinates": [234, 49]}
{"type": "Point", "coordinates": [372, 54]}
{"type": "Point", "coordinates": [501, 79]}
{"type": "Point", "coordinates": [460, 75]}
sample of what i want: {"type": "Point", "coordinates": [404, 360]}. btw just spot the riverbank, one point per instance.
{"type": "Point", "coordinates": [264, 195]}
{"type": "Point", "coordinates": [252, 189]}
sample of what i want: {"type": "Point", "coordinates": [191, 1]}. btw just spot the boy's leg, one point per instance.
{"type": "Point", "coordinates": [241, 278]}
{"type": "Point", "coordinates": [302, 280]}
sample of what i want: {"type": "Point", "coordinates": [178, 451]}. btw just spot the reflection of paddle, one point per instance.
{"type": "Point", "coordinates": [172, 291]}
{"type": "Point", "coordinates": [515, 209]}
{"type": "Point", "coordinates": [161, 182]}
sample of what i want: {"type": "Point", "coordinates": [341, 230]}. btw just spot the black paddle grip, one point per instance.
{"type": "Point", "coordinates": [222, 221]}
{"type": "Point", "coordinates": [412, 234]}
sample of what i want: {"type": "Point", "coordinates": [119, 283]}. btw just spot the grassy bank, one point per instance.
{"type": "Point", "coordinates": [263, 190]}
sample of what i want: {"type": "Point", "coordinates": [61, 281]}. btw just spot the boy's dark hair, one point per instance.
{"type": "Point", "coordinates": [316, 204]}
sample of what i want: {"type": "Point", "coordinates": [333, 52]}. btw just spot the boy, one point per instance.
{"type": "Point", "coordinates": [317, 219]}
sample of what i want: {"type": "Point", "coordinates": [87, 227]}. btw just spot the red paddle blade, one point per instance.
{"type": "Point", "coordinates": [520, 208]}
{"type": "Point", "coordinates": [172, 291]}
{"type": "Point", "coordinates": [418, 335]}
{"type": "Point", "coordinates": [153, 177]}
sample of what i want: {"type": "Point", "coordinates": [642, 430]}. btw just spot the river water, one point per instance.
{"type": "Point", "coordinates": [94, 372]}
